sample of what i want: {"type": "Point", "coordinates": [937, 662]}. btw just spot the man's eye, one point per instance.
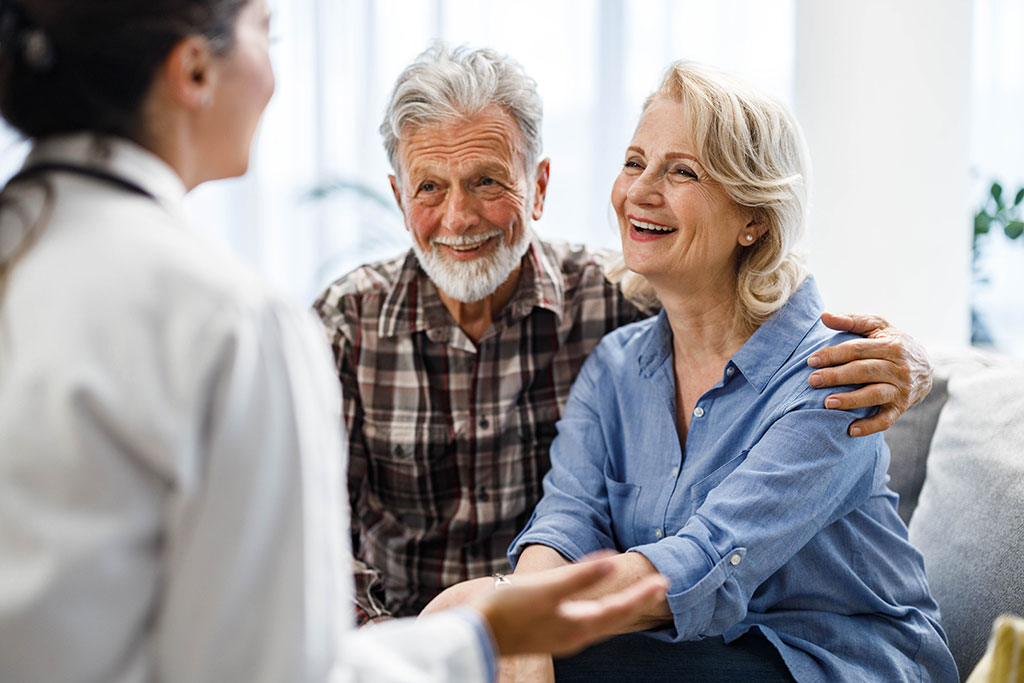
{"type": "Point", "coordinates": [488, 181]}
{"type": "Point", "coordinates": [427, 187]}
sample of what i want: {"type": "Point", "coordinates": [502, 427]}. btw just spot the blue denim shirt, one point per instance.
{"type": "Point", "coordinates": [771, 518]}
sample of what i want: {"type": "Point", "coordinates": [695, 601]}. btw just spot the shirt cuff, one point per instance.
{"type": "Point", "coordinates": [553, 539]}
{"type": "Point", "coordinates": [488, 647]}
{"type": "Point", "coordinates": [699, 592]}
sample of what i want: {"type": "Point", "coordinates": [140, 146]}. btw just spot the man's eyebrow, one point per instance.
{"type": "Point", "coordinates": [500, 170]}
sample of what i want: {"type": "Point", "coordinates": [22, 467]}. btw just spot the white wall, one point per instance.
{"type": "Point", "coordinates": [882, 90]}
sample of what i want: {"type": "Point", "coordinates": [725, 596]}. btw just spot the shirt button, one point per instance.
{"type": "Point", "coordinates": [698, 412]}
{"type": "Point", "coordinates": [735, 559]}
{"type": "Point", "coordinates": [730, 371]}
{"type": "Point", "coordinates": [484, 424]}
{"type": "Point", "coordinates": [657, 533]}
{"type": "Point", "coordinates": [675, 471]}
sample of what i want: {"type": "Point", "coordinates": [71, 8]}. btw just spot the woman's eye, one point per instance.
{"type": "Point", "coordinates": [634, 165]}
{"type": "Point", "coordinates": [685, 172]}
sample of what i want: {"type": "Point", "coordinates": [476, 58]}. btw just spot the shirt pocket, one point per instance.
{"type": "Point", "coordinates": [699, 491]}
{"type": "Point", "coordinates": [622, 504]}
{"type": "Point", "coordinates": [412, 470]}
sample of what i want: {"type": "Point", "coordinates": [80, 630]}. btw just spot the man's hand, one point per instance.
{"type": "Point", "coordinates": [894, 367]}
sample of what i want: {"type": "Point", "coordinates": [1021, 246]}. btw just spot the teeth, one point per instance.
{"type": "Point", "coordinates": [465, 246]}
{"type": "Point", "coordinates": [644, 225]}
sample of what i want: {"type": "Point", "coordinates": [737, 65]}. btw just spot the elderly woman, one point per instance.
{"type": "Point", "coordinates": [693, 445]}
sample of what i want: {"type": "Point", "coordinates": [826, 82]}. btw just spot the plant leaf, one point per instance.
{"type": "Point", "coordinates": [1019, 198]}
{"type": "Point", "coordinates": [982, 222]}
{"type": "Point", "coordinates": [997, 191]}
{"type": "Point", "coordinates": [1014, 229]}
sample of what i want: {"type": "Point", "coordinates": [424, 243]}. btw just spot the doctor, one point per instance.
{"type": "Point", "coordinates": [168, 426]}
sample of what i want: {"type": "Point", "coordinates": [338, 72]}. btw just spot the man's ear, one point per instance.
{"type": "Point", "coordinates": [190, 73]}
{"type": "Point", "coordinates": [541, 188]}
{"type": "Point", "coordinates": [397, 192]}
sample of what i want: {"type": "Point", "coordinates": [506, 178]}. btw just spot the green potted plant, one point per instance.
{"type": "Point", "coordinates": [998, 213]}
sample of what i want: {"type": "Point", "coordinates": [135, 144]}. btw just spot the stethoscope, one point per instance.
{"type": "Point", "coordinates": [50, 166]}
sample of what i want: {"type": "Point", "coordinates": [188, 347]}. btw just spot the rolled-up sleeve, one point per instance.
{"type": "Point", "coordinates": [801, 476]}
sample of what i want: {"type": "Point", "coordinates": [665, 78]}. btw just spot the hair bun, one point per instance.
{"type": "Point", "coordinates": [20, 37]}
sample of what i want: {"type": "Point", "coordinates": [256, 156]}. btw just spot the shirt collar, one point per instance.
{"type": "Point", "coordinates": [768, 348]}
{"type": "Point", "coordinates": [413, 304]}
{"type": "Point", "coordinates": [117, 156]}
{"type": "Point", "coordinates": [776, 339]}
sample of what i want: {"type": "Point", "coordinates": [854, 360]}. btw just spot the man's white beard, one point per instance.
{"type": "Point", "coordinates": [477, 278]}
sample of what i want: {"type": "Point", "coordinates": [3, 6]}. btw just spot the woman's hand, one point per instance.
{"type": "Point", "coordinates": [543, 613]}
{"type": "Point", "coordinates": [459, 594]}
{"type": "Point", "coordinates": [894, 367]}
{"type": "Point", "coordinates": [526, 669]}
{"type": "Point", "coordinates": [563, 609]}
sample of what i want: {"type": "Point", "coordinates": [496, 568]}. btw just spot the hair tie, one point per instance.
{"type": "Point", "coordinates": [19, 36]}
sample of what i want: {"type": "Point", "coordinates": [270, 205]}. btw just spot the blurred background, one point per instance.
{"type": "Point", "coordinates": [913, 110]}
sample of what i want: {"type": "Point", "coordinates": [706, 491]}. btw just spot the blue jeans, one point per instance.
{"type": "Point", "coordinates": [637, 657]}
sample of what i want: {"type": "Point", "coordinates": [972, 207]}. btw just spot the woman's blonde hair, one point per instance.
{"type": "Point", "coordinates": [750, 143]}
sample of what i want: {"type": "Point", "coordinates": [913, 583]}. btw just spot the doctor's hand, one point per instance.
{"type": "Point", "coordinates": [892, 365]}
{"type": "Point", "coordinates": [540, 613]}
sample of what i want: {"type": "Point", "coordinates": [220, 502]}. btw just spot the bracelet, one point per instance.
{"type": "Point", "coordinates": [500, 580]}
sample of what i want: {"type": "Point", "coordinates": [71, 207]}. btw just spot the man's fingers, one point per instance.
{"type": "Point", "coordinates": [865, 397]}
{"type": "Point", "coordinates": [887, 348]}
{"type": "Point", "coordinates": [878, 422]}
{"type": "Point", "coordinates": [859, 372]}
{"type": "Point", "coordinates": [853, 322]}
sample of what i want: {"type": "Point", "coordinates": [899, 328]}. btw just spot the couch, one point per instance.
{"type": "Point", "coordinates": [958, 466]}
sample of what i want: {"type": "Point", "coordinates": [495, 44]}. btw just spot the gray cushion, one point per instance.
{"type": "Point", "coordinates": [909, 440]}
{"type": "Point", "coordinates": [969, 523]}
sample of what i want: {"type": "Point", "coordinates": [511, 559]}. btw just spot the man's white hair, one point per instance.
{"type": "Point", "coordinates": [443, 84]}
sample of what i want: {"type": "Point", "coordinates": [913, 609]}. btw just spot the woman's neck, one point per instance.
{"type": "Point", "coordinates": [706, 326]}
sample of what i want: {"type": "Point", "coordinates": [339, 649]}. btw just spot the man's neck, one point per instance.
{"type": "Point", "coordinates": [477, 317]}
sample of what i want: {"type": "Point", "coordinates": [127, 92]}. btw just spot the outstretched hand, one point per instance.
{"type": "Point", "coordinates": [892, 365]}
{"type": "Point", "coordinates": [538, 612]}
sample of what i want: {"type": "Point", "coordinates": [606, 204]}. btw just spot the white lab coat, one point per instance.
{"type": "Point", "coordinates": [170, 458]}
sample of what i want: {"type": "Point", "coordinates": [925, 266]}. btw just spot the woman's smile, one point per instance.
{"type": "Point", "coordinates": [642, 230]}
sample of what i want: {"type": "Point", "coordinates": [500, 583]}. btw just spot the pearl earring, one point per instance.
{"type": "Point", "coordinates": [748, 237]}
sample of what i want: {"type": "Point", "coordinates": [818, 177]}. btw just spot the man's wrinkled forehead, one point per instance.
{"type": "Point", "coordinates": [488, 139]}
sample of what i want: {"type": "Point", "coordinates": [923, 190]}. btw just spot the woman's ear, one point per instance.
{"type": "Point", "coordinates": [756, 226]}
{"type": "Point", "coordinates": [190, 73]}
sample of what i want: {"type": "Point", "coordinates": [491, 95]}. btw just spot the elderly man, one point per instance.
{"type": "Point", "coordinates": [456, 358]}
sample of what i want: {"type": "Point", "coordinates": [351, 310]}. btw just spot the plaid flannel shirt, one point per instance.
{"type": "Point", "coordinates": [448, 440]}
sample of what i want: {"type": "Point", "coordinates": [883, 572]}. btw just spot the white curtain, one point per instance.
{"type": "Point", "coordinates": [997, 154]}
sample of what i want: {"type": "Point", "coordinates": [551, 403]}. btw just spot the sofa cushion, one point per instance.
{"type": "Point", "coordinates": [969, 522]}
{"type": "Point", "coordinates": [909, 439]}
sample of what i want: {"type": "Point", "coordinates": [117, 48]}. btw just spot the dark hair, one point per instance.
{"type": "Point", "coordinates": [86, 65]}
